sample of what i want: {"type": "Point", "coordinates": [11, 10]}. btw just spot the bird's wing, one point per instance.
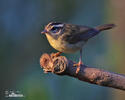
{"type": "Point", "coordinates": [79, 33]}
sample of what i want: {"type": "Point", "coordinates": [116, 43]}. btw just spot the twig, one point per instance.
{"type": "Point", "coordinates": [62, 66]}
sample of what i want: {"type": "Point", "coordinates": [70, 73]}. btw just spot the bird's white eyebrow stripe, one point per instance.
{"type": "Point", "coordinates": [60, 25]}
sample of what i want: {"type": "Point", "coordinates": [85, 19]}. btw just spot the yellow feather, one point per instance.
{"type": "Point", "coordinates": [64, 46]}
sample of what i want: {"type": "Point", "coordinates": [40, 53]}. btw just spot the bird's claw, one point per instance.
{"type": "Point", "coordinates": [78, 65]}
{"type": "Point", "coordinates": [56, 54]}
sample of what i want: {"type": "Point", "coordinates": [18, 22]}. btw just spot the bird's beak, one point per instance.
{"type": "Point", "coordinates": [44, 32]}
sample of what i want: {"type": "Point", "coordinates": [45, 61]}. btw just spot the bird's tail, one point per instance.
{"type": "Point", "coordinates": [105, 27]}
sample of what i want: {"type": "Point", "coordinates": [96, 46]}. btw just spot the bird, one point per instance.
{"type": "Point", "coordinates": [70, 38]}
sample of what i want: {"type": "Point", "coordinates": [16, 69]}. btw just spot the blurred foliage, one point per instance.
{"type": "Point", "coordinates": [21, 22]}
{"type": "Point", "coordinates": [34, 88]}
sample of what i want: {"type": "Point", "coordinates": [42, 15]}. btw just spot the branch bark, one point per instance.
{"type": "Point", "coordinates": [60, 65]}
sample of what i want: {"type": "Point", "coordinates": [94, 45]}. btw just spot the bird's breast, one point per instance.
{"type": "Point", "coordinates": [64, 46]}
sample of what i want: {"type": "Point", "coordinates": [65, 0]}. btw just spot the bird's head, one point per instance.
{"type": "Point", "coordinates": [54, 29]}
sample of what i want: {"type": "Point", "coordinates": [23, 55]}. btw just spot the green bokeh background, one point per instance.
{"type": "Point", "coordinates": [21, 46]}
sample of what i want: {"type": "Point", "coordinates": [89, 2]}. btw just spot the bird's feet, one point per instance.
{"type": "Point", "coordinates": [78, 65]}
{"type": "Point", "coordinates": [56, 54]}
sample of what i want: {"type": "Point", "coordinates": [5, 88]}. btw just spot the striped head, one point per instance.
{"type": "Point", "coordinates": [53, 29]}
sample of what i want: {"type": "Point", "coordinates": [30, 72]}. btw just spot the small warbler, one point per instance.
{"type": "Point", "coordinates": [69, 38]}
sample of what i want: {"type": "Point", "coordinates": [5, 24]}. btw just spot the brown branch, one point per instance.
{"type": "Point", "coordinates": [62, 66]}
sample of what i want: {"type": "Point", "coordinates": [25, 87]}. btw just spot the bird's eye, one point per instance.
{"type": "Point", "coordinates": [55, 29]}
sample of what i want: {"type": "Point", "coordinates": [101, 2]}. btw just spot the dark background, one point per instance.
{"type": "Point", "coordinates": [21, 46]}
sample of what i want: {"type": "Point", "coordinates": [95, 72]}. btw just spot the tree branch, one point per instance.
{"type": "Point", "coordinates": [62, 66]}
